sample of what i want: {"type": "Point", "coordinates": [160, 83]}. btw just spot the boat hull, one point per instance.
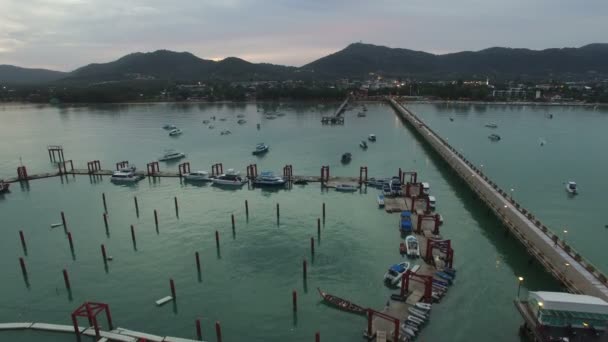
{"type": "Point", "coordinates": [342, 304]}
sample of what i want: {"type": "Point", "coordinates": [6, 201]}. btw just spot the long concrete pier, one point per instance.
{"type": "Point", "coordinates": [558, 258]}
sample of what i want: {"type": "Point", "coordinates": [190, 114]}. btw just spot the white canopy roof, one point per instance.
{"type": "Point", "coordinates": [562, 301]}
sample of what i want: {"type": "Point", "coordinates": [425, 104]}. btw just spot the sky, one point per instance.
{"type": "Point", "coordinates": [66, 34]}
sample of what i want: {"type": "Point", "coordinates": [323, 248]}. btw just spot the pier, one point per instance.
{"type": "Point", "coordinates": [337, 118]}
{"type": "Point", "coordinates": [558, 258]}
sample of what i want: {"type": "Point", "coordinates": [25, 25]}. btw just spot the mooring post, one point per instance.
{"type": "Point", "coordinates": [318, 227]}
{"type": "Point", "coordinates": [198, 261]}
{"type": "Point", "coordinates": [172, 285]}
{"type": "Point", "coordinates": [323, 211]}
{"type": "Point", "coordinates": [312, 245]}
{"type": "Point", "coordinates": [136, 206]}
{"type": "Point", "coordinates": [217, 239]}
{"type": "Point", "coordinates": [218, 331]}
{"type": "Point", "coordinates": [317, 337]}
{"type": "Point", "coordinates": [103, 198]}
{"type": "Point", "coordinates": [246, 208]}
{"type": "Point", "coordinates": [199, 333]}
{"type": "Point", "coordinates": [65, 225]}
{"type": "Point", "coordinates": [278, 213]}
{"type": "Point", "coordinates": [232, 218]}
{"type": "Point", "coordinates": [294, 299]}
{"type": "Point", "coordinates": [22, 241]}
{"type": "Point", "coordinates": [103, 254]}
{"type": "Point", "coordinates": [304, 268]}
{"type": "Point", "coordinates": [66, 279]}
{"type": "Point", "coordinates": [156, 218]}
{"type": "Point", "coordinates": [105, 220]}
{"type": "Point", "coordinates": [70, 241]}
{"type": "Point", "coordinates": [176, 206]}
{"type": "Point", "coordinates": [133, 234]}
{"type": "Point", "coordinates": [23, 269]}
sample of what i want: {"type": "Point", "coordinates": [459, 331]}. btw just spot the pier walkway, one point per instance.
{"type": "Point", "coordinates": [337, 118]}
{"type": "Point", "coordinates": [558, 258]}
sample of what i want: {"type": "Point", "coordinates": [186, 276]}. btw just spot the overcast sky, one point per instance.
{"type": "Point", "coordinates": [66, 34]}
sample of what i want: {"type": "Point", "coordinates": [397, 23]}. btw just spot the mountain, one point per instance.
{"type": "Point", "coordinates": [182, 66]}
{"type": "Point", "coordinates": [358, 60]}
{"type": "Point", "coordinates": [16, 75]}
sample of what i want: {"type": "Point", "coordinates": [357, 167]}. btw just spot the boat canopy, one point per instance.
{"type": "Point", "coordinates": [267, 174]}
{"type": "Point", "coordinates": [406, 213]}
{"type": "Point", "coordinates": [406, 224]}
{"type": "Point", "coordinates": [398, 268]}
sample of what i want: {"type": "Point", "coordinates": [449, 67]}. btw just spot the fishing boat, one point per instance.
{"type": "Point", "coordinates": [260, 148]}
{"type": "Point", "coordinates": [371, 137]}
{"type": "Point", "coordinates": [346, 188]}
{"type": "Point", "coordinates": [491, 125]}
{"type": "Point", "coordinates": [126, 175]}
{"type": "Point", "coordinates": [412, 247]}
{"type": "Point", "coordinates": [4, 186]}
{"type": "Point", "coordinates": [342, 304]}
{"type": "Point", "coordinates": [494, 137]}
{"type": "Point", "coordinates": [175, 132]}
{"type": "Point", "coordinates": [571, 188]}
{"type": "Point", "coordinates": [363, 144]}
{"type": "Point", "coordinates": [268, 179]}
{"type": "Point", "coordinates": [380, 200]}
{"type": "Point", "coordinates": [396, 272]}
{"type": "Point", "coordinates": [347, 157]}
{"type": "Point", "coordinates": [169, 127]}
{"type": "Point", "coordinates": [172, 155]}
{"type": "Point", "coordinates": [230, 178]}
{"type": "Point", "coordinates": [199, 176]}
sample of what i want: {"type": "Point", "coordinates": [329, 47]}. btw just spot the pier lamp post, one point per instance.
{"type": "Point", "coordinates": [540, 307]}
{"type": "Point", "coordinates": [520, 280]}
{"type": "Point", "coordinates": [565, 234]}
{"type": "Point", "coordinates": [512, 193]}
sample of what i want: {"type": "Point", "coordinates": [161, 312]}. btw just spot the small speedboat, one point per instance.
{"type": "Point", "coordinates": [371, 137]}
{"type": "Point", "coordinates": [169, 127]}
{"type": "Point", "coordinates": [342, 304]}
{"type": "Point", "coordinates": [346, 188]}
{"type": "Point", "coordinates": [494, 137]}
{"type": "Point", "coordinates": [346, 158]}
{"type": "Point", "coordinates": [363, 144]}
{"type": "Point", "coordinates": [172, 155]}
{"type": "Point", "coordinates": [199, 176]}
{"type": "Point", "coordinates": [240, 116]}
{"type": "Point", "coordinates": [175, 132]}
{"type": "Point", "coordinates": [432, 202]}
{"type": "Point", "coordinates": [426, 188]}
{"type": "Point", "coordinates": [395, 185]}
{"type": "Point", "coordinates": [4, 186]}
{"type": "Point", "coordinates": [411, 246]}
{"type": "Point", "coordinates": [571, 188]}
{"type": "Point", "coordinates": [241, 121]}
{"type": "Point", "coordinates": [225, 132]}
{"type": "Point", "coordinates": [491, 125]}
{"type": "Point", "coordinates": [230, 178]}
{"type": "Point", "coordinates": [126, 175]}
{"type": "Point", "coordinates": [377, 182]}
{"type": "Point", "coordinates": [361, 115]}
{"type": "Point", "coordinates": [268, 179]}
{"type": "Point", "coordinates": [222, 119]}
{"type": "Point", "coordinates": [205, 122]}
{"type": "Point", "coordinates": [396, 272]}
{"type": "Point", "coordinates": [270, 117]}
{"type": "Point", "coordinates": [380, 200]}
{"type": "Point", "coordinates": [386, 190]}
{"type": "Point", "coordinates": [211, 127]}
{"type": "Point", "coordinates": [260, 148]}
{"type": "Point", "coordinates": [405, 222]}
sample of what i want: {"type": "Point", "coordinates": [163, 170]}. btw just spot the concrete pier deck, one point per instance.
{"type": "Point", "coordinates": [559, 259]}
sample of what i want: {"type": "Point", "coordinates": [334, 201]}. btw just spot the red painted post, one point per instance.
{"type": "Point", "coordinates": [22, 240]}
{"type": "Point", "coordinates": [304, 268]}
{"type": "Point", "coordinates": [199, 333]}
{"type": "Point", "coordinates": [70, 240]}
{"type": "Point", "coordinates": [246, 208]}
{"type": "Point", "coordinates": [133, 234]}
{"type": "Point", "coordinates": [65, 225]}
{"type": "Point", "coordinates": [103, 198]}
{"type": "Point", "coordinates": [294, 299]}
{"type": "Point", "coordinates": [176, 206]}
{"type": "Point", "coordinates": [172, 285]}
{"type": "Point", "coordinates": [66, 279]}
{"type": "Point", "coordinates": [370, 316]}
{"type": "Point", "coordinates": [218, 331]}
{"type": "Point", "coordinates": [103, 254]}
{"type": "Point", "coordinates": [217, 239]}
{"type": "Point", "coordinates": [105, 220]}
{"type": "Point", "coordinates": [23, 268]}
{"type": "Point", "coordinates": [198, 261]}
{"type": "Point", "coordinates": [312, 245]}
{"type": "Point", "coordinates": [156, 218]}
{"type": "Point", "coordinates": [317, 337]}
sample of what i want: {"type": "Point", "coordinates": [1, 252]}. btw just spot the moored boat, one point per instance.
{"type": "Point", "coordinates": [126, 175]}
{"type": "Point", "coordinates": [380, 200]}
{"type": "Point", "coordinates": [175, 132]}
{"type": "Point", "coordinates": [361, 115]}
{"type": "Point", "coordinates": [396, 272]}
{"type": "Point", "coordinates": [169, 127]}
{"type": "Point", "coordinates": [426, 188]}
{"type": "Point", "coordinates": [377, 182]}
{"type": "Point", "coordinates": [405, 222]}
{"type": "Point", "coordinates": [363, 144]}
{"type": "Point", "coordinates": [491, 125]}
{"type": "Point", "coordinates": [230, 178]}
{"type": "Point", "coordinates": [432, 202]}
{"type": "Point", "coordinates": [172, 155]}
{"type": "Point", "coordinates": [346, 157]}
{"type": "Point", "coordinates": [346, 188]}
{"type": "Point", "coordinates": [571, 188]}
{"type": "Point", "coordinates": [260, 148]}
{"type": "Point", "coordinates": [268, 179]}
{"type": "Point", "coordinates": [4, 187]}
{"type": "Point", "coordinates": [200, 176]}
{"type": "Point", "coordinates": [494, 137]}
{"type": "Point", "coordinates": [342, 304]}
{"type": "Point", "coordinates": [371, 137]}
{"type": "Point", "coordinates": [412, 247]}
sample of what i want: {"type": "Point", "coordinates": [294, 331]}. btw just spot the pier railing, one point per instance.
{"type": "Point", "coordinates": [559, 243]}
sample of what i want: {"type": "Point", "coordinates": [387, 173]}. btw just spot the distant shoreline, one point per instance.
{"type": "Point", "coordinates": [515, 103]}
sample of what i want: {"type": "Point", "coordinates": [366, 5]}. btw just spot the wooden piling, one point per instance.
{"type": "Point", "coordinates": [176, 207]}
{"type": "Point", "coordinates": [278, 212]}
{"type": "Point", "coordinates": [105, 220]}
{"type": "Point", "coordinates": [217, 239]}
{"type": "Point", "coordinates": [246, 208]}
{"type": "Point", "coordinates": [232, 219]}
{"type": "Point", "coordinates": [218, 331]}
{"type": "Point", "coordinates": [318, 227]}
{"type": "Point", "coordinates": [323, 211]}
{"type": "Point", "coordinates": [304, 268]}
{"type": "Point", "coordinates": [317, 337]}
{"type": "Point", "coordinates": [136, 206]}
{"type": "Point", "coordinates": [312, 245]}
{"type": "Point", "coordinates": [103, 254]}
{"type": "Point", "coordinates": [156, 218]}
{"type": "Point", "coordinates": [22, 237]}
{"type": "Point", "coordinates": [199, 333]}
{"type": "Point", "coordinates": [70, 241]}
{"type": "Point", "coordinates": [66, 279]}
{"type": "Point", "coordinates": [198, 261]}
{"type": "Point", "coordinates": [294, 300]}
{"type": "Point", "coordinates": [133, 234]}
{"type": "Point", "coordinates": [23, 268]}
{"type": "Point", "coordinates": [172, 285]}
{"type": "Point", "coordinates": [63, 222]}
{"type": "Point", "coordinates": [103, 198]}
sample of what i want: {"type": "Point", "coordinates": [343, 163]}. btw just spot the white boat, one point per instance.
{"type": "Point", "coordinates": [172, 155]}
{"type": "Point", "coordinates": [268, 179]}
{"type": "Point", "coordinates": [363, 144]}
{"type": "Point", "coordinates": [395, 273]}
{"type": "Point", "coordinates": [169, 127]}
{"type": "Point", "coordinates": [230, 178]}
{"type": "Point", "coordinates": [395, 186]}
{"type": "Point", "coordinates": [494, 137]}
{"type": "Point", "coordinates": [225, 132]}
{"type": "Point", "coordinates": [426, 188]}
{"type": "Point", "coordinates": [260, 148]}
{"type": "Point", "coordinates": [411, 246]}
{"type": "Point", "coordinates": [432, 202]}
{"type": "Point", "coordinates": [126, 175]}
{"type": "Point", "coordinates": [371, 137]}
{"type": "Point", "coordinates": [4, 186]}
{"type": "Point", "coordinates": [346, 188]}
{"type": "Point", "coordinates": [175, 132]}
{"type": "Point", "coordinates": [386, 190]}
{"type": "Point", "coordinates": [241, 121]}
{"type": "Point", "coordinates": [571, 188]}
{"type": "Point", "coordinates": [380, 200]}
{"type": "Point", "coordinates": [492, 125]}
{"type": "Point", "coordinates": [201, 176]}
{"type": "Point", "coordinates": [423, 306]}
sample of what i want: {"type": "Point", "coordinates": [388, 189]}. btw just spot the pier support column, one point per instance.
{"type": "Point", "coordinates": [218, 331]}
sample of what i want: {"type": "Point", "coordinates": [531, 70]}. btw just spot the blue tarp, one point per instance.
{"type": "Point", "coordinates": [406, 225]}
{"type": "Point", "coordinates": [398, 268]}
{"type": "Point", "coordinates": [406, 213]}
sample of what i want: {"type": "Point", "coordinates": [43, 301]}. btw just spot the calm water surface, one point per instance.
{"type": "Point", "coordinates": [247, 285]}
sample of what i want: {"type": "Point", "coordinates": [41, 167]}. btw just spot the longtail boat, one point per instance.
{"type": "Point", "coordinates": [342, 304]}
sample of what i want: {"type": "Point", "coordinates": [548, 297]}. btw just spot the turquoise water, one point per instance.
{"type": "Point", "coordinates": [572, 150]}
{"type": "Point", "coordinates": [247, 285]}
